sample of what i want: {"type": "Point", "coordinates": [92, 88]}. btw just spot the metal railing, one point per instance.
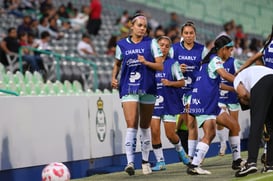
{"type": "Point", "coordinates": [58, 57]}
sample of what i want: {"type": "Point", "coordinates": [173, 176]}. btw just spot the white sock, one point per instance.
{"type": "Point", "coordinates": [130, 144]}
{"type": "Point", "coordinates": [200, 153]}
{"type": "Point", "coordinates": [178, 146]}
{"type": "Point", "coordinates": [191, 147]}
{"type": "Point", "coordinates": [145, 140]}
{"type": "Point", "coordinates": [222, 136]}
{"type": "Point", "coordinates": [159, 154]}
{"type": "Point", "coordinates": [265, 147]}
{"type": "Point", "coordinates": [235, 145]}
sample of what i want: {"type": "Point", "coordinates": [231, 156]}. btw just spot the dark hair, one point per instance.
{"type": "Point", "coordinates": [135, 16]}
{"type": "Point", "coordinates": [218, 44]}
{"type": "Point", "coordinates": [11, 29]}
{"type": "Point", "coordinates": [270, 39]}
{"type": "Point", "coordinates": [45, 34]}
{"type": "Point", "coordinates": [188, 23]}
{"type": "Point", "coordinates": [22, 34]}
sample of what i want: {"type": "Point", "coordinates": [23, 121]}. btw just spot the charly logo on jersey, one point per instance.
{"type": "Point", "coordinates": [159, 100]}
{"type": "Point", "coordinates": [100, 121]}
{"type": "Point", "coordinates": [134, 76]}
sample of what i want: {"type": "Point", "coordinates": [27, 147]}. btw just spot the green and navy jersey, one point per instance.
{"type": "Point", "coordinates": [268, 55]}
{"type": "Point", "coordinates": [192, 58]}
{"type": "Point", "coordinates": [137, 78]}
{"type": "Point", "coordinates": [168, 101]}
{"type": "Point", "coordinates": [231, 65]}
{"type": "Point", "coordinates": [205, 92]}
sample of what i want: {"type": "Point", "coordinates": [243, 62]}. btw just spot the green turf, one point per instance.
{"type": "Point", "coordinates": [219, 166]}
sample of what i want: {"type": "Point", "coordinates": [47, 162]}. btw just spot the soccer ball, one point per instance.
{"type": "Point", "coordinates": [55, 172]}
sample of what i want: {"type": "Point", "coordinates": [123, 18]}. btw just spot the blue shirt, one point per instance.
{"type": "Point", "coordinates": [137, 78]}
{"type": "Point", "coordinates": [205, 94]}
{"type": "Point", "coordinates": [191, 58]}
{"type": "Point", "coordinates": [229, 97]}
{"type": "Point", "coordinates": [168, 101]}
{"type": "Point", "coordinates": [268, 55]}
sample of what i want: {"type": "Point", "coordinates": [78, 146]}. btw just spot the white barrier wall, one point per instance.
{"type": "Point", "coordinates": [39, 130]}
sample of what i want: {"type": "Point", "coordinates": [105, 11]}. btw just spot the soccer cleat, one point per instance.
{"type": "Point", "coordinates": [247, 169]}
{"type": "Point", "coordinates": [130, 169]}
{"type": "Point", "coordinates": [238, 164]}
{"type": "Point", "coordinates": [184, 157]}
{"type": "Point", "coordinates": [146, 168]}
{"type": "Point", "coordinates": [195, 170]}
{"type": "Point", "coordinates": [222, 150]}
{"type": "Point", "coordinates": [263, 158]}
{"type": "Point", "coordinates": [267, 169]}
{"type": "Point", "coordinates": [159, 166]}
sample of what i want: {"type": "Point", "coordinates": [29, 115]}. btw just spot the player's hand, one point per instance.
{"type": "Point", "coordinates": [141, 59]}
{"type": "Point", "coordinates": [183, 67]}
{"type": "Point", "coordinates": [114, 83]}
{"type": "Point", "coordinates": [165, 82]}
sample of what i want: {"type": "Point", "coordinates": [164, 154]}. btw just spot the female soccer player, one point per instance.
{"type": "Point", "coordinates": [167, 106]}
{"type": "Point", "coordinates": [139, 57]}
{"type": "Point", "coordinates": [204, 103]}
{"type": "Point", "coordinates": [228, 101]}
{"type": "Point", "coordinates": [189, 55]}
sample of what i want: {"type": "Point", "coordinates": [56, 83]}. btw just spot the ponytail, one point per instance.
{"type": "Point", "coordinates": [207, 57]}
{"type": "Point", "coordinates": [219, 43]}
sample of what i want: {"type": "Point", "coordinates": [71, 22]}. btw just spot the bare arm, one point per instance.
{"type": "Point", "coordinates": [115, 73]}
{"type": "Point", "coordinates": [225, 75]}
{"type": "Point", "coordinates": [250, 61]}
{"type": "Point", "coordinates": [226, 87]}
{"type": "Point", "coordinates": [242, 92]}
{"type": "Point", "coordinates": [178, 83]}
{"type": "Point", "coordinates": [157, 65]}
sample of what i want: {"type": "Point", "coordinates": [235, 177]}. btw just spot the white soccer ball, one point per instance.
{"type": "Point", "coordinates": [55, 172]}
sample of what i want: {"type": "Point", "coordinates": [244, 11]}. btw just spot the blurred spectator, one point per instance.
{"type": "Point", "coordinates": [85, 46]}
{"type": "Point", "coordinates": [94, 22]}
{"type": "Point", "coordinates": [29, 4]}
{"type": "Point", "coordinates": [239, 32]}
{"type": "Point", "coordinates": [12, 7]}
{"type": "Point", "coordinates": [125, 17]}
{"type": "Point", "coordinates": [9, 45]}
{"type": "Point", "coordinates": [47, 7]}
{"type": "Point", "coordinates": [229, 28]}
{"type": "Point", "coordinates": [62, 12]}
{"type": "Point", "coordinates": [44, 26]}
{"type": "Point", "coordinates": [34, 27]}
{"type": "Point", "coordinates": [174, 22]}
{"type": "Point", "coordinates": [35, 61]}
{"type": "Point", "coordinates": [43, 43]}
{"type": "Point", "coordinates": [159, 31]}
{"type": "Point", "coordinates": [80, 19]}
{"type": "Point", "coordinates": [237, 50]}
{"type": "Point", "coordinates": [209, 44]}
{"type": "Point", "coordinates": [70, 9]}
{"type": "Point", "coordinates": [25, 26]}
{"type": "Point", "coordinates": [111, 45]}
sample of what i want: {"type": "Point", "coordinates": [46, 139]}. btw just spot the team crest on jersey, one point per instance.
{"type": "Point", "coordinates": [134, 76]}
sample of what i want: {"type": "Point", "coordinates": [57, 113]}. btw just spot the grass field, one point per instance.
{"type": "Point", "coordinates": [219, 166]}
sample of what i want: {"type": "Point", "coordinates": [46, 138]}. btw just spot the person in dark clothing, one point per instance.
{"type": "Point", "coordinates": [94, 22]}
{"type": "Point", "coordinates": [9, 45]}
{"type": "Point", "coordinates": [254, 87]}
